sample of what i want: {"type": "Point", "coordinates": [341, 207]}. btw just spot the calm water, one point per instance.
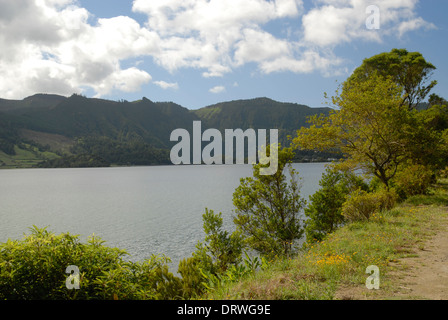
{"type": "Point", "coordinates": [143, 210]}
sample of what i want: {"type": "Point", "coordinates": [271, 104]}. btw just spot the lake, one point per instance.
{"type": "Point", "coordinates": [142, 210]}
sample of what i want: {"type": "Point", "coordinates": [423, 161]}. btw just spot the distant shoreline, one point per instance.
{"type": "Point", "coordinates": [136, 166]}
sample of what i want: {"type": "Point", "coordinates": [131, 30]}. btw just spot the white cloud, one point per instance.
{"type": "Point", "coordinates": [57, 50]}
{"type": "Point", "coordinates": [218, 89]}
{"type": "Point", "coordinates": [167, 85]}
{"type": "Point", "coordinates": [328, 25]}
{"type": "Point", "coordinates": [211, 18]}
{"type": "Point", "coordinates": [308, 61]}
{"type": "Point", "coordinates": [205, 34]}
{"type": "Point", "coordinates": [128, 80]}
{"type": "Point", "coordinates": [259, 46]}
{"type": "Point", "coordinates": [341, 21]}
{"type": "Point", "coordinates": [414, 24]}
{"type": "Point", "coordinates": [218, 36]}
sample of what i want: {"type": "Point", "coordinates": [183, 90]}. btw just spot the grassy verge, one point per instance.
{"type": "Point", "coordinates": [327, 269]}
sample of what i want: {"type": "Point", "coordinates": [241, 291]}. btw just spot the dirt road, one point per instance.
{"type": "Point", "coordinates": [427, 276]}
{"type": "Point", "coordinates": [422, 276]}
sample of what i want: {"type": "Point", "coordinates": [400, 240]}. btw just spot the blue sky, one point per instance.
{"type": "Point", "coordinates": [199, 52]}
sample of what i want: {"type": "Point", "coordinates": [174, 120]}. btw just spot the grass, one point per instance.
{"type": "Point", "coordinates": [340, 260]}
{"type": "Point", "coordinates": [437, 196]}
{"type": "Point", "coordinates": [25, 157]}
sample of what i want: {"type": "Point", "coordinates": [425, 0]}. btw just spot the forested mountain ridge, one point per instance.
{"type": "Point", "coordinates": [127, 133]}
{"type": "Point", "coordinates": [259, 113]}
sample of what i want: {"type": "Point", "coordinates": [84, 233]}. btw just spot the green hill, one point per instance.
{"type": "Point", "coordinates": [259, 113]}
{"type": "Point", "coordinates": [130, 133]}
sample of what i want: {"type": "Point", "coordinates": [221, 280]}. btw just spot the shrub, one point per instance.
{"type": "Point", "coordinates": [268, 208]}
{"type": "Point", "coordinates": [35, 268]}
{"type": "Point", "coordinates": [412, 180]}
{"type": "Point", "coordinates": [387, 198]}
{"type": "Point", "coordinates": [193, 280]}
{"type": "Point", "coordinates": [148, 280]}
{"type": "Point", "coordinates": [444, 173]}
{"type": "Point", "coordinates": [361, 205]}
{"type": "Point", "coordinates": [219, 252]}
{"type": "Point", "coordinates": [223, 248]}
{"type": "Point", "coordinates": [325, 210]}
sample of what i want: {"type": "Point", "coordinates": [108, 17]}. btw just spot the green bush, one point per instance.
{"type": "Point", "coordinates": [193, 279]}
{"type": "Point", "coordinates": [268, 207]}
{"type": "Point", "coordinates": [223, 248]}
{"type": "Point", "coordinates": [444, 173]}
{"type": "Point", "coordinates": [361, 205]}
{"type": "Point", "coordinates": [325, 210]}
{"type": "Point", "coordinates": [148, 280]}
{"type": "Point", "coordinates": [34, 268]}
{"type": "Point", "coordinates": [219, 253]}
{"type": "Point", "coordinates": [412, 180]}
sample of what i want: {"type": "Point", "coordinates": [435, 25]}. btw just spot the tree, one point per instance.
{"type": "Point", "coordinates": [220, 248]}
{"type": "Point", "coordinates": [324, 212]}
{"type": "Point", "coordinates": [268, 208]}
{"type": "Point", "coordinates": [410, 70]}
{"type": "Point", "coordinates": [426, 131]}
{"type": "Point", "coordinates": [368, 126]}
{"type": "Point", "coordinates": [212, 257]}
{"type": "Point", "coordinates": [407, 69]}
{"type": "Point", "coordinates": [435, 99]}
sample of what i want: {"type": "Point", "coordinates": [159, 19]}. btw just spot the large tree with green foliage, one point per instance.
{"type": "Point", "coordinates": [268, 208]}
{"type": "Point", "coordinates": [408, 70]}
{"type": "Point", "coordinates": [368, 125]}
{"type": "Point", "coordinates": [412, 72]}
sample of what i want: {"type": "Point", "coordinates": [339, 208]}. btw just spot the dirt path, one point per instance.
{"type": "Point", "coordinates": [427, 276]}
{"type": "Point", "coordinates": [422, 276]}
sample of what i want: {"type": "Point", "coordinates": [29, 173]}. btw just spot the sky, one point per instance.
{"type": "Point", "coordinates": [201, 52]}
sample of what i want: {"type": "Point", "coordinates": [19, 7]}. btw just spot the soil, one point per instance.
{"type": "Point", "coordinates": [422, 276]}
